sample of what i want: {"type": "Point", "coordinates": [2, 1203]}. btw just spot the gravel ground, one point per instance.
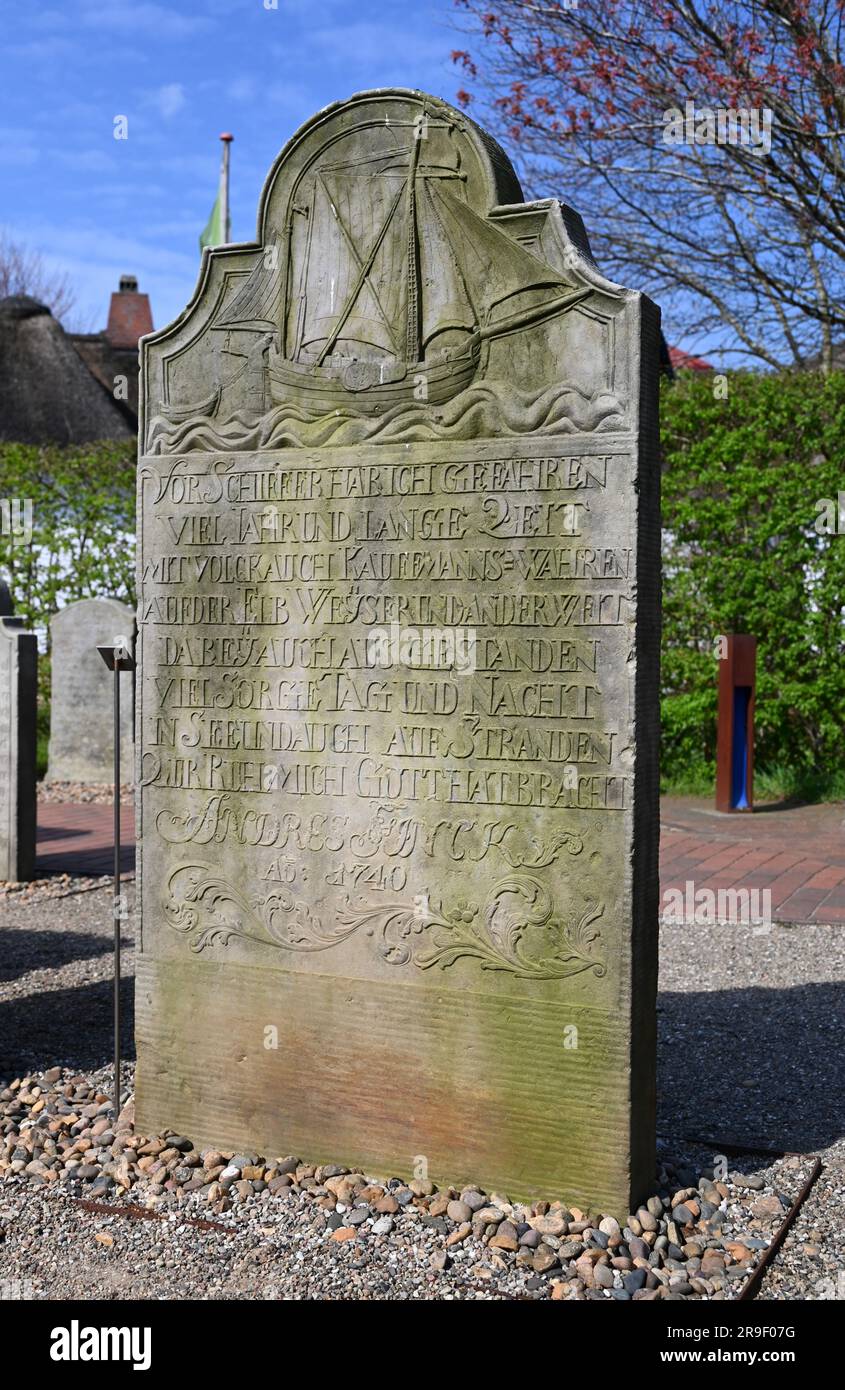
{"type": "Point", "coordinates": [749, 1052]}
{"type": "Point", "coordinates": [56, 886]}
{"type": "Point", "coordinates": [81, 793]}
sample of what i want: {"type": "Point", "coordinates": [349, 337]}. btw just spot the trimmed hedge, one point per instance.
{"type": "Point", "coordinates": [83, 529]}
{"type": "Point", "coordinates": [742, 480]}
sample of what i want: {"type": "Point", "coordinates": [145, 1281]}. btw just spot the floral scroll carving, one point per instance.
{"type": "Point", "coordinates": [515, 930]}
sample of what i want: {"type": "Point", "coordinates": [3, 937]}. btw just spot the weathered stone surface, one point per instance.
{"type": "Point", "coordinates": [18, 696]}
{"type": "Point", "coordinates": [399, 899]}
{"type": "Point", "coordinates": [82, 697]}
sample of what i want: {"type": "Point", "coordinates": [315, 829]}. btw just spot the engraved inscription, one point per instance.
{"type": "Point", "coordinates": [289, 681]}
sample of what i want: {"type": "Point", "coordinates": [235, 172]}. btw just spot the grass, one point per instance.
{"type": "Point", "coordinates": [42, 734]}
{"type": "Point", "coordinates": [779, 783]}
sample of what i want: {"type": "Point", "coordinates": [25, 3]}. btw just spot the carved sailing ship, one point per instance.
{"type": "Point", "coordinates": [400, 286]}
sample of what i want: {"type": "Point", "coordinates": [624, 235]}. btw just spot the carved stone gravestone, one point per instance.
{"type": "Point", "coordinates": [18, 702]}
{"type": "Point", "coordinates": [399, 568]}
{"type": "Point", "coordinates": [82, 701]}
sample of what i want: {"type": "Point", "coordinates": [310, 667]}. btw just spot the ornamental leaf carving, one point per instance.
{"type": "Point", "coordinates": [515, 930]}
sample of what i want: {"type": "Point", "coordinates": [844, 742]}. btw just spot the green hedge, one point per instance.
{"type": "Point", "coordinates": [83, 529]}
{"type": "Point", "coordinates": [742, 479]}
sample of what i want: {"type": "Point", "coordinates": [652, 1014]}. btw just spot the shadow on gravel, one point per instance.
{"type": "Point", "coordinates": [756, 1066]}
{"type": "Point", "coordinates": [68, 1026]}
{"type": "Point", "coordinates": [23, 951]}
{"type": "Point", "coordinates": [745, 1066]}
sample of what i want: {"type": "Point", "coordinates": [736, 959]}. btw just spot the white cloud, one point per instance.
{"type": "Point", "coordinates": [92, 161]}
{"type": "Point", "coordinates": [169, 99]}
{"type": "Point", "coordinates": [44, 50]}
{"type": "Point", "coordinates": [150, 20]}
{"type": "Point", "coordinates": [241, 89]}
{"type": "Point", "coordinates": [17, 148]}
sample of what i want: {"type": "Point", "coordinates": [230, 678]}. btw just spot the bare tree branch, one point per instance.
{"type": "Point", "coordinates": [741, 241]}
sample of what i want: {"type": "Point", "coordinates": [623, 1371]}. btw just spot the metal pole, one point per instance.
{"type": "Point", "coordinates": [117, 899]}
{"type": "Point", "coordinates": [225, 218]}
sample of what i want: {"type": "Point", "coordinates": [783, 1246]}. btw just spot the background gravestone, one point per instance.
{"type": "Point", "coordinates": [18, 695]}
{"type": "Point", "coordinates": [82, 699]}
{"type": "Point", "coordinates": [400, 910]}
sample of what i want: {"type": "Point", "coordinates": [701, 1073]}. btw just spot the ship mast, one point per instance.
{"type": "Point", "coordinates": [413, 334]}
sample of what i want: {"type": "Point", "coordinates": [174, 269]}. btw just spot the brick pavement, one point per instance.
{"type": "Point", "coordinates": [79, 839]}
{"type": "Point", "coordinates": [798, 853]}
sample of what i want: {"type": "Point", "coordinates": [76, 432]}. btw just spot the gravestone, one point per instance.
{"type": "Point", "coordinates": [399, 624]}
{"type": "Point", "coordinates": [18, 703]}
{"type": "Point", "coordinates": [82, 700]}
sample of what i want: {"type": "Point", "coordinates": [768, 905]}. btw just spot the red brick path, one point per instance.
{"type": "Point", "coordinates": [798, 853]}
{"type": "Point", "coordinates": [80, 839]}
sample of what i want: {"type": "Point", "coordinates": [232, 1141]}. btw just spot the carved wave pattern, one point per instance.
{"type": "Point", "coordinates": [487, 408]}
{"type": "Point", "coordinates": [515, 930]}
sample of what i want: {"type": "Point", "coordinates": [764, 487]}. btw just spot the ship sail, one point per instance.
{"type": "Point", "coordinates": [448, 308]}
{"type": "Point", "coordinates": [353, 290]}
{"type": "Point", "coordinates": [497, 266]}
{"type": "Point", "coordinates": [259, 304]}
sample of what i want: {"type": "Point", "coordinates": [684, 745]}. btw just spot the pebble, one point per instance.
{"type": "Point", "coordinates": [545, 1259]}
{"type": "Point", "coordinates": [358, 1216]}
{"type": "Point", "coordinates": [552, 1224]}
{"type": "Point", "coordinates": [530, 1238]}
{"type": "Point", "coordinates": [474, 1200]}
{"type": "Point", "coordinates": [506, 1237]}
{"type": "Point", "coordinates": [515, 1246]}
{"type": "Point", "coordinates": [459, 1211]}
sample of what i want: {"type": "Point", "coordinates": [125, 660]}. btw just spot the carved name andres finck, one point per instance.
{"type": "Point", "coordinates": [399, 616]}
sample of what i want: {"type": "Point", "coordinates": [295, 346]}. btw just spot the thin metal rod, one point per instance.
{"type": "Point", "coordinates": [225, 218]}
{"type": "Point", "coordinates": [117, 898]}
{"type": "Point", "coordinates": [752, 1285]}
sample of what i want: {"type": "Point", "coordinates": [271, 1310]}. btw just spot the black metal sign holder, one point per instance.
{"type": "Point", "coordinates": [118, 657]}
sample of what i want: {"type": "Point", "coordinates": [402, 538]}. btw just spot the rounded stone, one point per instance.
{"type": "Point", "coordinates": [459, 1211]}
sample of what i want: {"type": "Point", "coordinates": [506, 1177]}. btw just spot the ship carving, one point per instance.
{"type": "Point", "coordinates": [384, 287]}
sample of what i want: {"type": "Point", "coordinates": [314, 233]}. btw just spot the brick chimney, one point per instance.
{"type": "Point", "coordinates": [129, 314]}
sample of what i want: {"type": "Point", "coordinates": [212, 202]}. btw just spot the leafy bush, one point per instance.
{"type": "Point", "coordinates": [742, 480]}
{"type": "Point", "coordinates": [83, 530]}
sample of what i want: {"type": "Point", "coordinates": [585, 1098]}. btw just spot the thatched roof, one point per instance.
{"type": "Point", "coordinates": [47, 394]}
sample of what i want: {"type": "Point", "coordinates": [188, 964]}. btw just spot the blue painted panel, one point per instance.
{"type": "Point", "coordinates": [739, 760]}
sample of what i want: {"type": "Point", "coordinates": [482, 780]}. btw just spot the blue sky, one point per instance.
{"type": "Point", "coordinates": [181, 71]}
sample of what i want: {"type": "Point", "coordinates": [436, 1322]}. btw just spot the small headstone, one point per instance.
{"type": "Point", "coordinates": [82, 699]}
{"type": "Point", "coordinates": [18, 704]}
{"type": "Point", "coordinates": [399, 529]}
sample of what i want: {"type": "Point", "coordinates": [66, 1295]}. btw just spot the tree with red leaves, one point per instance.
{"type": "Point", "coordinates": [703, 141]}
